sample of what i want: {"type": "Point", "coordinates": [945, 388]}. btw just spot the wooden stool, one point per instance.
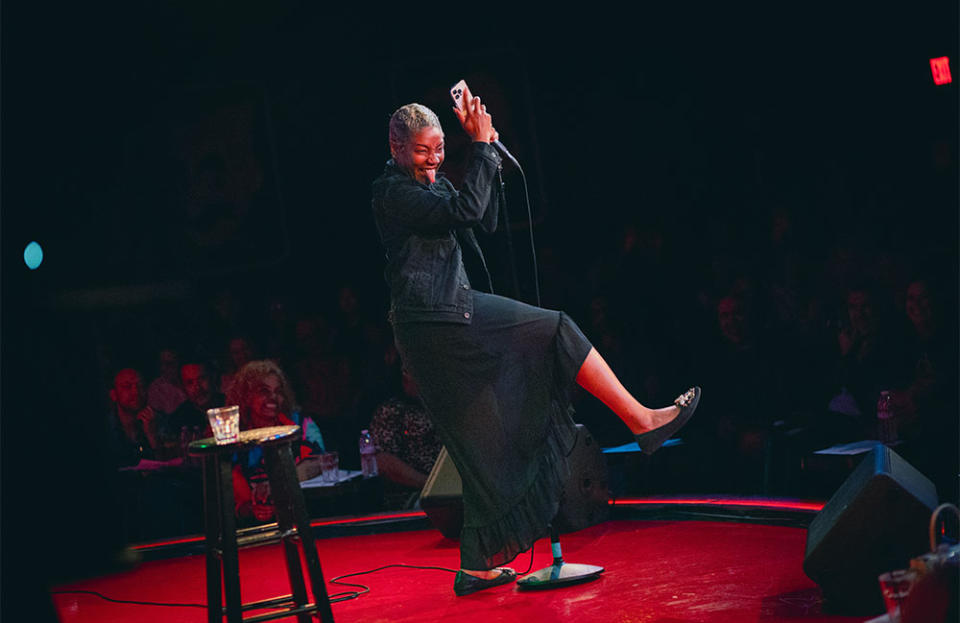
{"type": "Point", "coordinates": [223, 539]}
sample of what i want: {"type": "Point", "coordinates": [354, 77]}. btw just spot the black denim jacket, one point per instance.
{"type": "Point", "coordinates": [425, 231]}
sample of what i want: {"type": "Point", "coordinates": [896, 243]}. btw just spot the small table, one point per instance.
{"type": "Point", "coordinates": [351, 494]}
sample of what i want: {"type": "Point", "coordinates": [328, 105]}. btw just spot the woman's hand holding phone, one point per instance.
{"type": "Point", "coordinates": [472, 113]}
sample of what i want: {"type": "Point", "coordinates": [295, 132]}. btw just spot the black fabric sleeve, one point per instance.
{"type": "Point", "coordinates": [423, 210]}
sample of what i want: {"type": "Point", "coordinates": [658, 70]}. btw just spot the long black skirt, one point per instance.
{"type": "Point", "coordinates": [499, 391]}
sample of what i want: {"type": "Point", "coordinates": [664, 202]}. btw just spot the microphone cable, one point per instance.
{"type": "Point", "coordinates": [366, 589]}
{"type": "Point", "coordinates": [526, 196]}
{"type": "Point", "coordinates": [333, 598]}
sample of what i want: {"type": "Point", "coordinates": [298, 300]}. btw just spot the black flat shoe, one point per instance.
{"type": "Point", "coordinates": [466, 583]}
{"type": "Point", "coordinates": [653, 439]}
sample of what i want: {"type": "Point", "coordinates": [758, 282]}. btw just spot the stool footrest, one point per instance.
{"type": "Point", "coordinates": [288, 612]}
{"type": "Point", "coordinates": [282, 600]}
{"type": "Point", "coordinates": [274, 536]}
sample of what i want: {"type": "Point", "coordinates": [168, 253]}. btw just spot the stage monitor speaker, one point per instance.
{"type": "Point", "coordinates": [875, 522]}
{"type": "Point", "coordinates": [442, 496]}
{"type": "Point", "coordinates": [585, 494]}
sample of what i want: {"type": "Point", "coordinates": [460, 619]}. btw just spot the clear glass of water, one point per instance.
{"type": "Point", "coordinates": [225, 422]}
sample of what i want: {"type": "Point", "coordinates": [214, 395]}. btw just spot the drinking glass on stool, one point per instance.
{"type": "Point", "coordinates": [225, 422]}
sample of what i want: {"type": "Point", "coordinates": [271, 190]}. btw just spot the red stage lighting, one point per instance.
{"type": "Point", "coordinates": [940, 68]}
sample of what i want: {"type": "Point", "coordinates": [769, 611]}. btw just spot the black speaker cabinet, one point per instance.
{"type": "Point", "coordinates": [586, 493]}
{"type": "Point", "coordinates": [875, 522]}
{"type": "Point", "coordinates": [584, 501]}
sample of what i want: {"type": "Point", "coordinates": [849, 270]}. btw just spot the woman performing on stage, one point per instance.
{"type": "Point", "coordinates": [495, 374]}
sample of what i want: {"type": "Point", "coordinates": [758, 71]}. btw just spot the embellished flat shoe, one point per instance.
{"type": "Point", "coordinates": [653, 439]}
{"type": "Point", "coordinates": [466, 583]}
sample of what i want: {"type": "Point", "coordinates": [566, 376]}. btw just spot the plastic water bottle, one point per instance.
{"type": "Point", "coordinates": [886, 425]}
{"type": "Point", "coordinates": [368, 454]}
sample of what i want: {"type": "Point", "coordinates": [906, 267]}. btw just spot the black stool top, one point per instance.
{"type": "Point", "coordinates": [254, 437]}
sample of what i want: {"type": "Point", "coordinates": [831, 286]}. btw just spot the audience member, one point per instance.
{"type": "Point", "coordinates": [133, 423]}
{"type": "Point", "coordinates": [349, 336]}
{"type": "Point", "coordinates": [869, 361]}
{"type": "Point", "coordinates": [806, 347]}
{"type": "Point", "coordinates": [381, 381]}
{"type": "Point", "coordinates": [407, 445]}
{"type": "Point", "coordinates": [240, 351]}
{"type": "Point", "coordinates": [276, 339]}
{"type": "Point", "coordinates": [926, 403]}
{"type": "Point", "coordinates": [324, 380]}
{"type": "Point", "coordinates": [156, 502]}
{"type": "Point", "coordinates": [265, 398]}
{"type": "Point", "coordinates": [360, 342]}
{"type": "Point", "coordinates": [165, 393]}
{"type": "Point", "coordinates": [226, 315]}
{"type": "Point", "coordinates": [190, 419]}
{"type": "Point", "coordinates": [932, 349]}
{"type": "Point", "coordinates": [743, 382]}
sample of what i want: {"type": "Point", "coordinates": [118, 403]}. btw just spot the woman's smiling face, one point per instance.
{"type": "Point", "coordinates": [423, 155]}
{"type": "Point", "coordinates": [266, 402]}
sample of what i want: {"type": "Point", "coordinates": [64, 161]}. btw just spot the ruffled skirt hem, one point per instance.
{"type": "Point", "coordinates": [528, 519]}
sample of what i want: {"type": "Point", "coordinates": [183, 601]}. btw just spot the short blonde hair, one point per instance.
{"type": "Point", "coordinates": [248, 380]}
{"type": "Point", "coordinates": [406, 121]}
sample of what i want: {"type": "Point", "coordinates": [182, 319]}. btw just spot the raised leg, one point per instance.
{"type": "Point", "coordinates": [596, 377]}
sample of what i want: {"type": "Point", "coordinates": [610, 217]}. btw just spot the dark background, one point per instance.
{"type": "Point", "coordinates": [714, 113]}
{"type": "Point", "coordinates": [697, 117]}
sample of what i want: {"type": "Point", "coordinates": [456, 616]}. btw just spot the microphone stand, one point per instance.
{"type": "Point", "coordinates": [560, 573]}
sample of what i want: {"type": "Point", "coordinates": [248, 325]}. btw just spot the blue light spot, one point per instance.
{"type": "Point", "coordinates": [33, 255]}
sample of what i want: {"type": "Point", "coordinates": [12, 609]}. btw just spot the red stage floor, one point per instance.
{"type": "Point", "coordinates": [656, 572]}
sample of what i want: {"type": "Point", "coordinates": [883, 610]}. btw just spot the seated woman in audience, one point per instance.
{"type": "Point", "coordinates": [265, 398]}
{"type": "Point", "coordinates": [407, 445]}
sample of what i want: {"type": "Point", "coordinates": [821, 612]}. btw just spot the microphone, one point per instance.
{"type": "Point", "coordinates": [506, 152]}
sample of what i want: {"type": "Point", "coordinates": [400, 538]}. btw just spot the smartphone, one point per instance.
{"type": "Point", "coordinates": [460, 92]}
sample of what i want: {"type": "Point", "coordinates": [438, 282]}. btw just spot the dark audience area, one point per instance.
{"type": "Point", "coordinates": [792, 351]}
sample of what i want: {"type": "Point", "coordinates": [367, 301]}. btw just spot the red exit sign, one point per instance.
{"type": "Point", "coordinates": [940, 68]}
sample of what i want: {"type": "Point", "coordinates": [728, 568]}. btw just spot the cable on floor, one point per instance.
{"type": "Point", "coordinates": [334, 598]}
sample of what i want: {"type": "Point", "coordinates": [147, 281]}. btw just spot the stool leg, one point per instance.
{"type": "Point", "coordinates": [211, 521]}
{"type": "Point", "coordinates": [228, 541]}
{"type": "Point", "coordinates": [282, 493]}
{"type": "Point", "coordinates": [302, 522]}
